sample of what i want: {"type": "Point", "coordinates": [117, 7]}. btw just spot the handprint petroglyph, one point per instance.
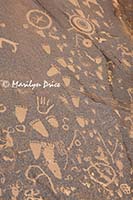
{"type": "Point", "coordinates": [43, 105]}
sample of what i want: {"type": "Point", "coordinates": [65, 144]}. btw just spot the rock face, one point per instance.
{"type": "Point", "coordinates": [126, 9]}
{"type": "Point", "coordinates": [72, 142]}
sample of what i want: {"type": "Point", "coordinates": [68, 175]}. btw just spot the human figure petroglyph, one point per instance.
{"type": "Point", "coordinates": [13, 44]}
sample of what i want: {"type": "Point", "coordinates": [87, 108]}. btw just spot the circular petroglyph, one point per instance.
{"type": "Point", "coordinates": [82, 24]}
{"type": "Point", "coordinates": [39, 19]}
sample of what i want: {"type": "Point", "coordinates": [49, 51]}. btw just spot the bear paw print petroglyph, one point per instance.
{"type": "Point", "coordinates": [20, 114]}
{"type": "Point", "coordinates": [47, 149]}
{"type": "Point", "coordinates": [2, 108]}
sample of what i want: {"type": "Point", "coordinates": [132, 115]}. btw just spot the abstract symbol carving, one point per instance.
{"type": "Point", "coordinates": [41, 172]}
{"type": "Point", "coordinates": [101, 173]}
{"type": "Point", "coordinates": [14, 44]}
{"type": "Point", "coordinates": [39, 19]}
{"type": "Point", "coordinates": [82, 24]}
{"type": "Point", "coordinates": [65, 124]}
{"type": "Point", "coordinates": [2, 108]}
